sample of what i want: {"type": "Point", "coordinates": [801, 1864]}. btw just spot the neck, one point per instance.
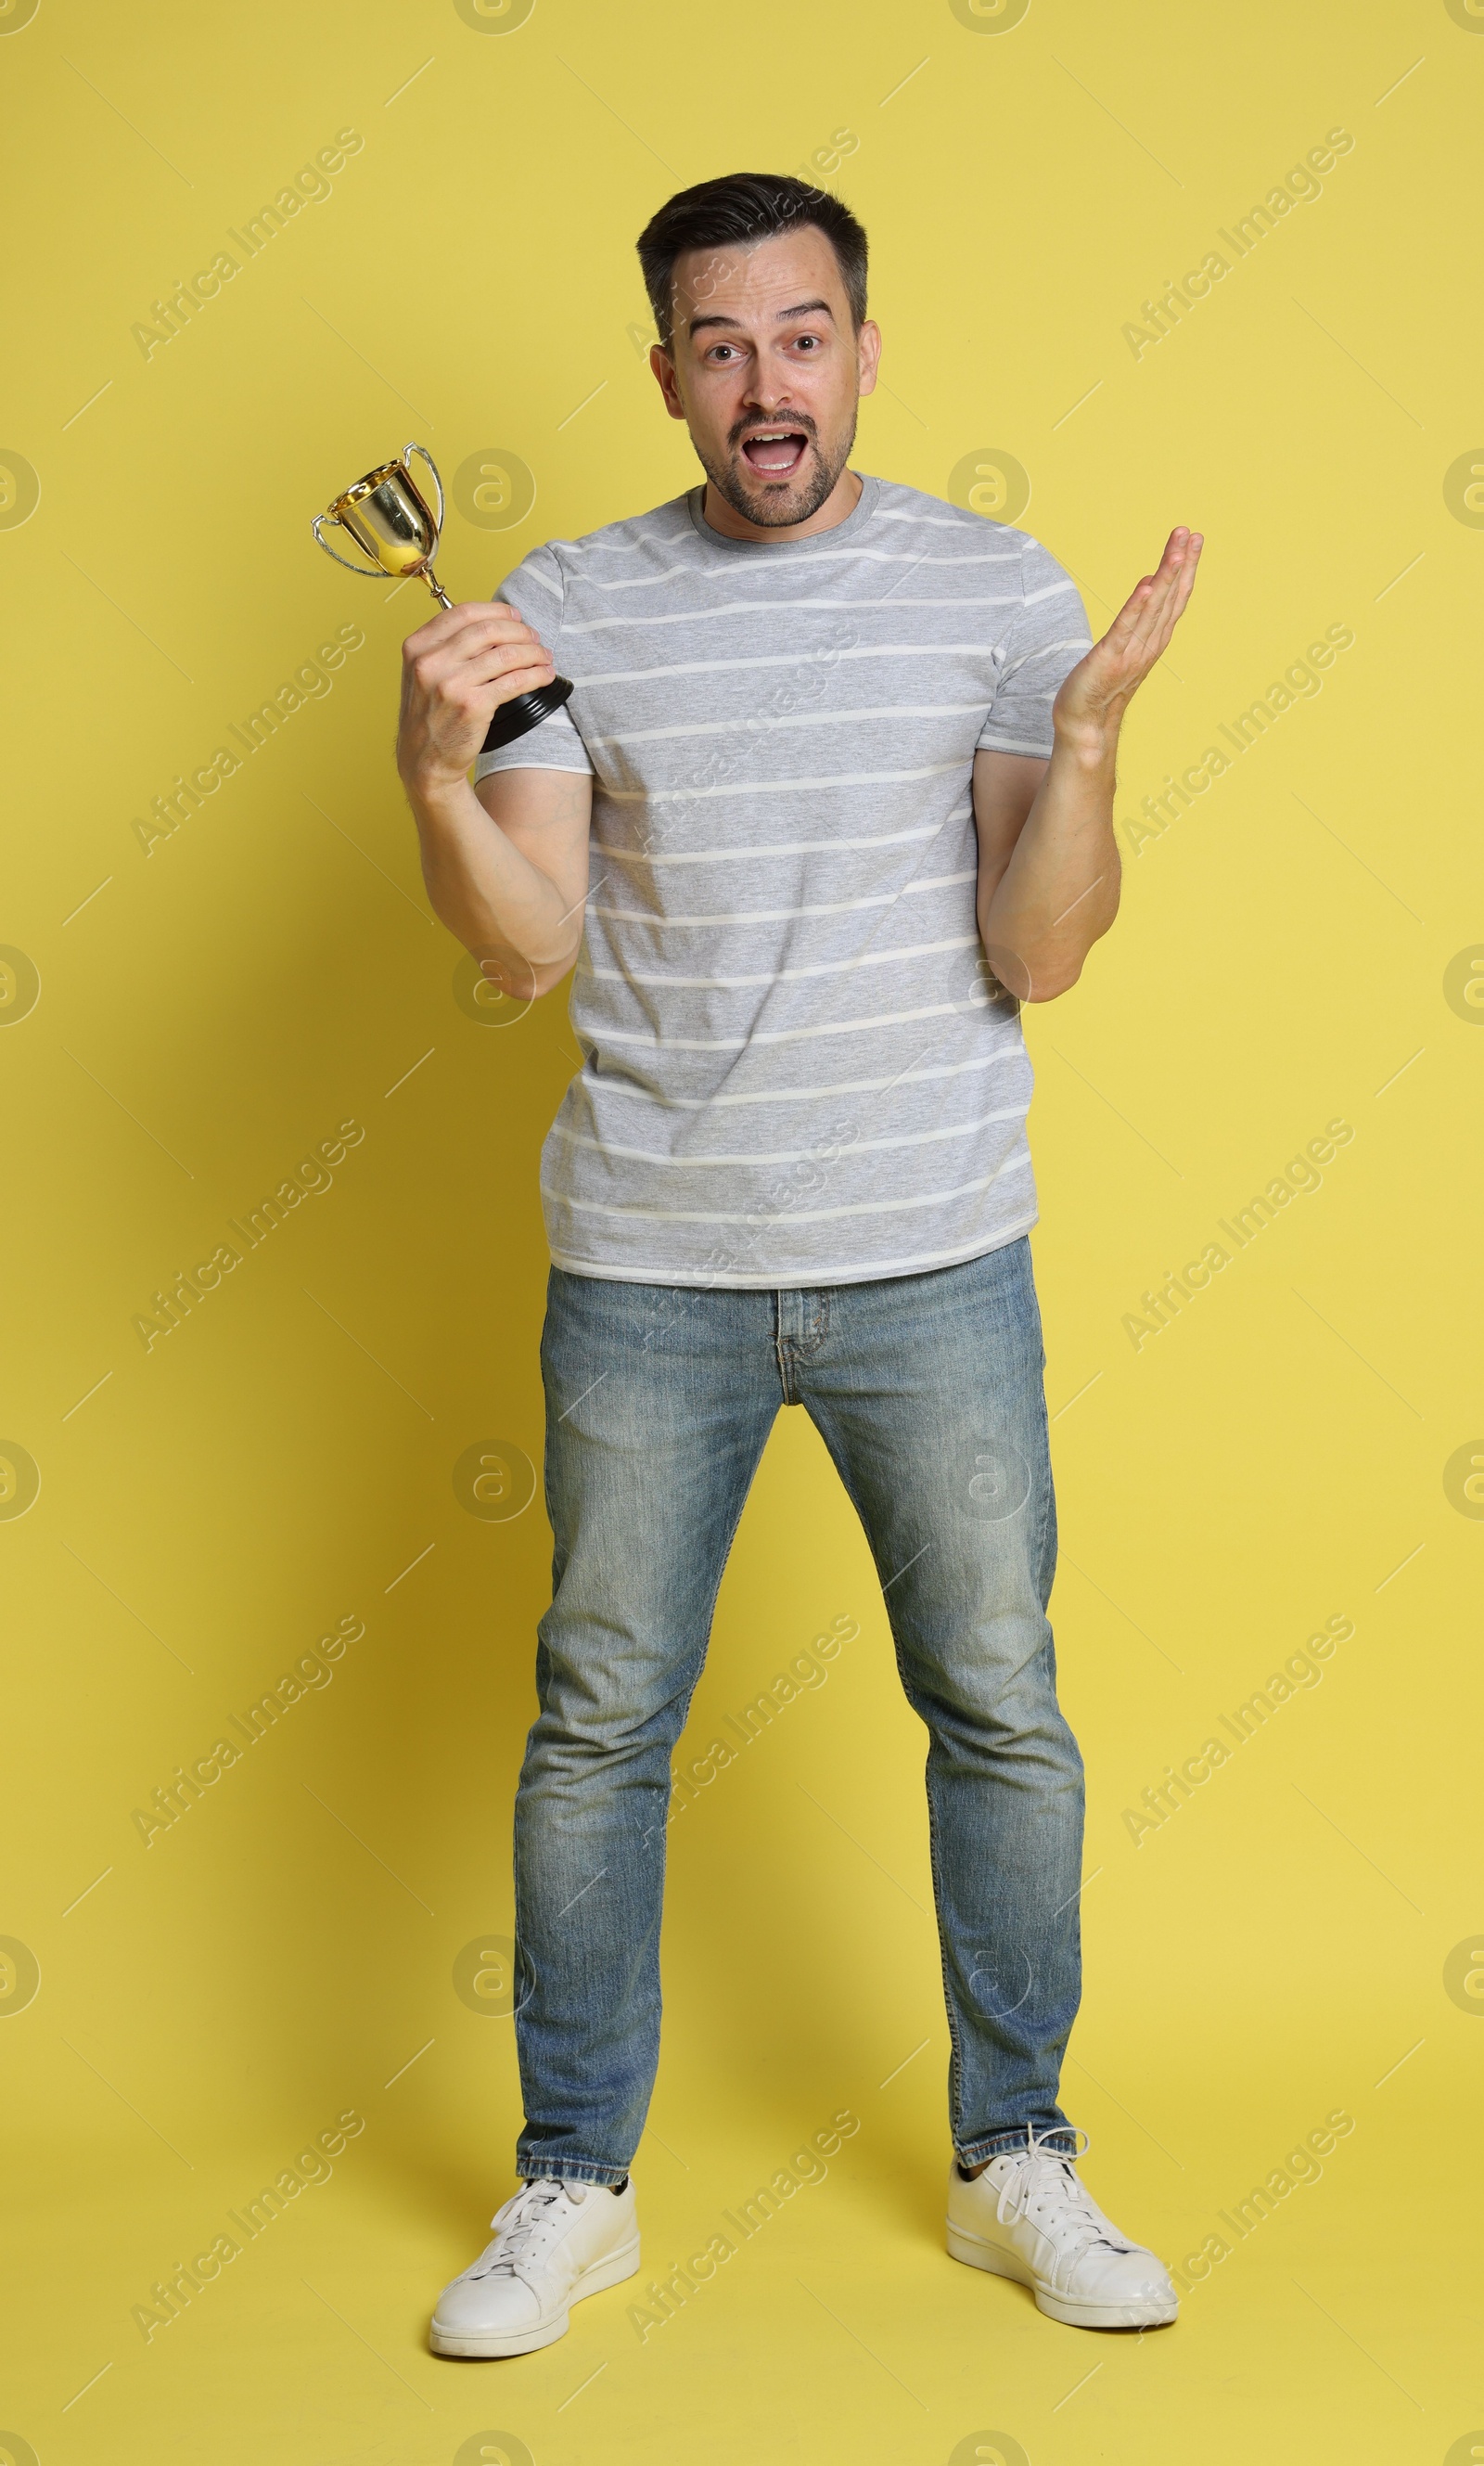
{"type": "Point", "coordinates": [842, 500]}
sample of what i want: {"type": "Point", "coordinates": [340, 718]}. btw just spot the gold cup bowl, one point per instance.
{"type": "Point", "coordinates": [390, 519]}
{"type": "Point", "coordinates": [388, 516]}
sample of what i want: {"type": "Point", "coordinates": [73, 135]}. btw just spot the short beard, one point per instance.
{"type": "Point", "coordinates": [778, 515]}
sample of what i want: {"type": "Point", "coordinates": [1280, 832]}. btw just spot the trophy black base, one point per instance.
{"type": "Point", "coordinates": [513, 719]}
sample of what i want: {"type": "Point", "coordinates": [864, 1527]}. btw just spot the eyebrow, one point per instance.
{"type": "Point", "coordinates": [806, 309]}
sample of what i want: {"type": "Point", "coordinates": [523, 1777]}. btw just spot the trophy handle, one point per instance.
{"type": "Point", "coordinates": [407, 452]}
{"type": "Point", "coordinates": [368, 573]}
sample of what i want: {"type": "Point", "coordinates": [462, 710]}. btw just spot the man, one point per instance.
{"type": "Point", "coordinates": [832, 797]}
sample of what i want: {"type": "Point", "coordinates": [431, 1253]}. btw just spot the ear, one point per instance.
{"type": "Point", "coordinates": [868, 345]}
{"type": "Point", "coordinates": [662, 367]}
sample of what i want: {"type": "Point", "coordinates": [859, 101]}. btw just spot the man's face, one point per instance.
{"type": "Point", "coordinates": [767, 370]}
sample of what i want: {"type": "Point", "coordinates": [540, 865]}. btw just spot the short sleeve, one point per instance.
{"type": "Point", "coordinates": [535, 591]}
{"type": "Point", "coordinates": [1047, 638]}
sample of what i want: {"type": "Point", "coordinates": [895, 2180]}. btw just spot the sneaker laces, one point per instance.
{"type": "Point", "coordinates": [529, 2223]}
{"type": "Point", "coordinates": [1045, 2177]}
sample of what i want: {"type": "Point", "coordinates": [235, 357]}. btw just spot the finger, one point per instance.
{"type": "Point", "coordinates": [479, 607]}
{"type": "Point", "coordinates": [475, 651]}
{"type": "Point", "coordinates": [1160, 604]}
{"type": "Point", "coordinates": [1151, 591]}
{"type": "Point", "coordinates": [1123, 634]}
{"type": "Point", "coordinates": [1181, 582]}
{"type": "Point", "coordinates": [1137, 634]}
{"type": "Point", "coordinates": [1150, 650]}
{"type": "Point", "coordinates": [1152, 620]}
{"type": "Point", "coordinates": [520, 681]}
{"type": "Point", "coordinates": [1140, 633]}
{"type": "Point", "coordinates": [464, 628]}
{"type": "Point", "coordinates": [1133, 639]}
{"type": "Point", "coordinates": [481, 612]}
{"type": "Point", "coordinates": [474, 693]}
{"type": "Point", "coordinates": [446, 623]}
{"type": "Point", "coordinates": [474, 701]}
{"type": "Point", "coordinates": [1176, 606]}
{"type": "Point", "coordinates": [497, 664]}
{"type": "Point", "coordinates": [442, 618]}
{"type": "Point", "coordinates": [442, 661]}
{"type": "Point", "coordinates": [1123, 623]}
{"type": "Point", "coordinates": [1165, 577]}
{"type": "Point", "coordinates": [503, 678]}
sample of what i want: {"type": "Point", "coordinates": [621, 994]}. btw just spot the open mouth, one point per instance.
{"type": "Point", "coordinates": [776, 453]}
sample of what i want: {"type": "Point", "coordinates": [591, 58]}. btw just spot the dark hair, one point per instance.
{"type": "Point", "coordinates": [745, 206]}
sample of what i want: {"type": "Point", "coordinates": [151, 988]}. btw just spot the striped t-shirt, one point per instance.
{"type": "Point", "coordinates": [796, 1068]}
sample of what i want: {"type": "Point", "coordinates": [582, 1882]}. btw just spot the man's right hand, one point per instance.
{"type": "Point", "coordinates": [457, 670]}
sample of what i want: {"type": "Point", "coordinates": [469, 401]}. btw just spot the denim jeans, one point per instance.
{"type": "Point", "coordinates": [927, 1392]}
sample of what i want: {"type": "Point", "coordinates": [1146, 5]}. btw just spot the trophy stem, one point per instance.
{"type": "Point", "coordinates": [436, 588]}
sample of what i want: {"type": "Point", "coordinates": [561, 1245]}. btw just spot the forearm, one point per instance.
{"type": "Point", "coordinates": [497, 902]}
{"type": "Point", "coordinates": [507, 866]}
{"type": "Point", "coordinates": [1059, 890]}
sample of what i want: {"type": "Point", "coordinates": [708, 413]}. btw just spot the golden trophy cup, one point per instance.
{"type": "Point", "coordinates": [388, 516]}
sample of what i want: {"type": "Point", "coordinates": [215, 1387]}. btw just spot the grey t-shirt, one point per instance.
{"type": "Point", "coordinates": [796, 1068]}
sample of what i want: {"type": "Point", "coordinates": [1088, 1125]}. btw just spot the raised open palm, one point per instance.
{"type": "Point", "coordinates": [1096, 692]}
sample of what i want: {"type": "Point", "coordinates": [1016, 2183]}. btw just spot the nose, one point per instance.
{"type": "Point", "coordinates": [767, 395]}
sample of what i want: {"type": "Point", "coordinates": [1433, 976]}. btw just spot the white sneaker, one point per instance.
{"type": "Point", "coordinates": [1030, 2216]}
{"type": "Point", "coordinates": [554, 2243]}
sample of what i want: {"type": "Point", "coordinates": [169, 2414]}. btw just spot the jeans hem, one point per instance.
{"type": "Point", "coordinates": [571, 2170]}
{"type": "Point", "coordinates": [1060, 2139]}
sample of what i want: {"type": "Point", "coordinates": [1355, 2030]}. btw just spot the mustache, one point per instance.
{"type": "Point", "coordinates": [753, 427]}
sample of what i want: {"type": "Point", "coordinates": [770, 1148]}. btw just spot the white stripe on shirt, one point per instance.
{"type": "Point", "coordinates": [789, 1156]}
{"type": "Point", "coordinates": [1013, 1163]}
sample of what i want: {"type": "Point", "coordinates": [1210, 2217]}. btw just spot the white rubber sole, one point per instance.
{"type": "Point", "coordinates": [598, 2275]}
{"type": "Point", "coordinates": [978, 2255]}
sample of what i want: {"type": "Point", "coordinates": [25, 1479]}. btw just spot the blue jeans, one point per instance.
{"type": "Point", "coordinates": [927, 1392]}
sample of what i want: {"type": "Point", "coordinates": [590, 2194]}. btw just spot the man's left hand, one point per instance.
{"type": "Point", "coordinates": [1096, 693]}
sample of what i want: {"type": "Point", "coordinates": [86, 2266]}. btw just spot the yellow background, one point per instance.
{"type": "Point", "coordinates": [284, 1458]}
